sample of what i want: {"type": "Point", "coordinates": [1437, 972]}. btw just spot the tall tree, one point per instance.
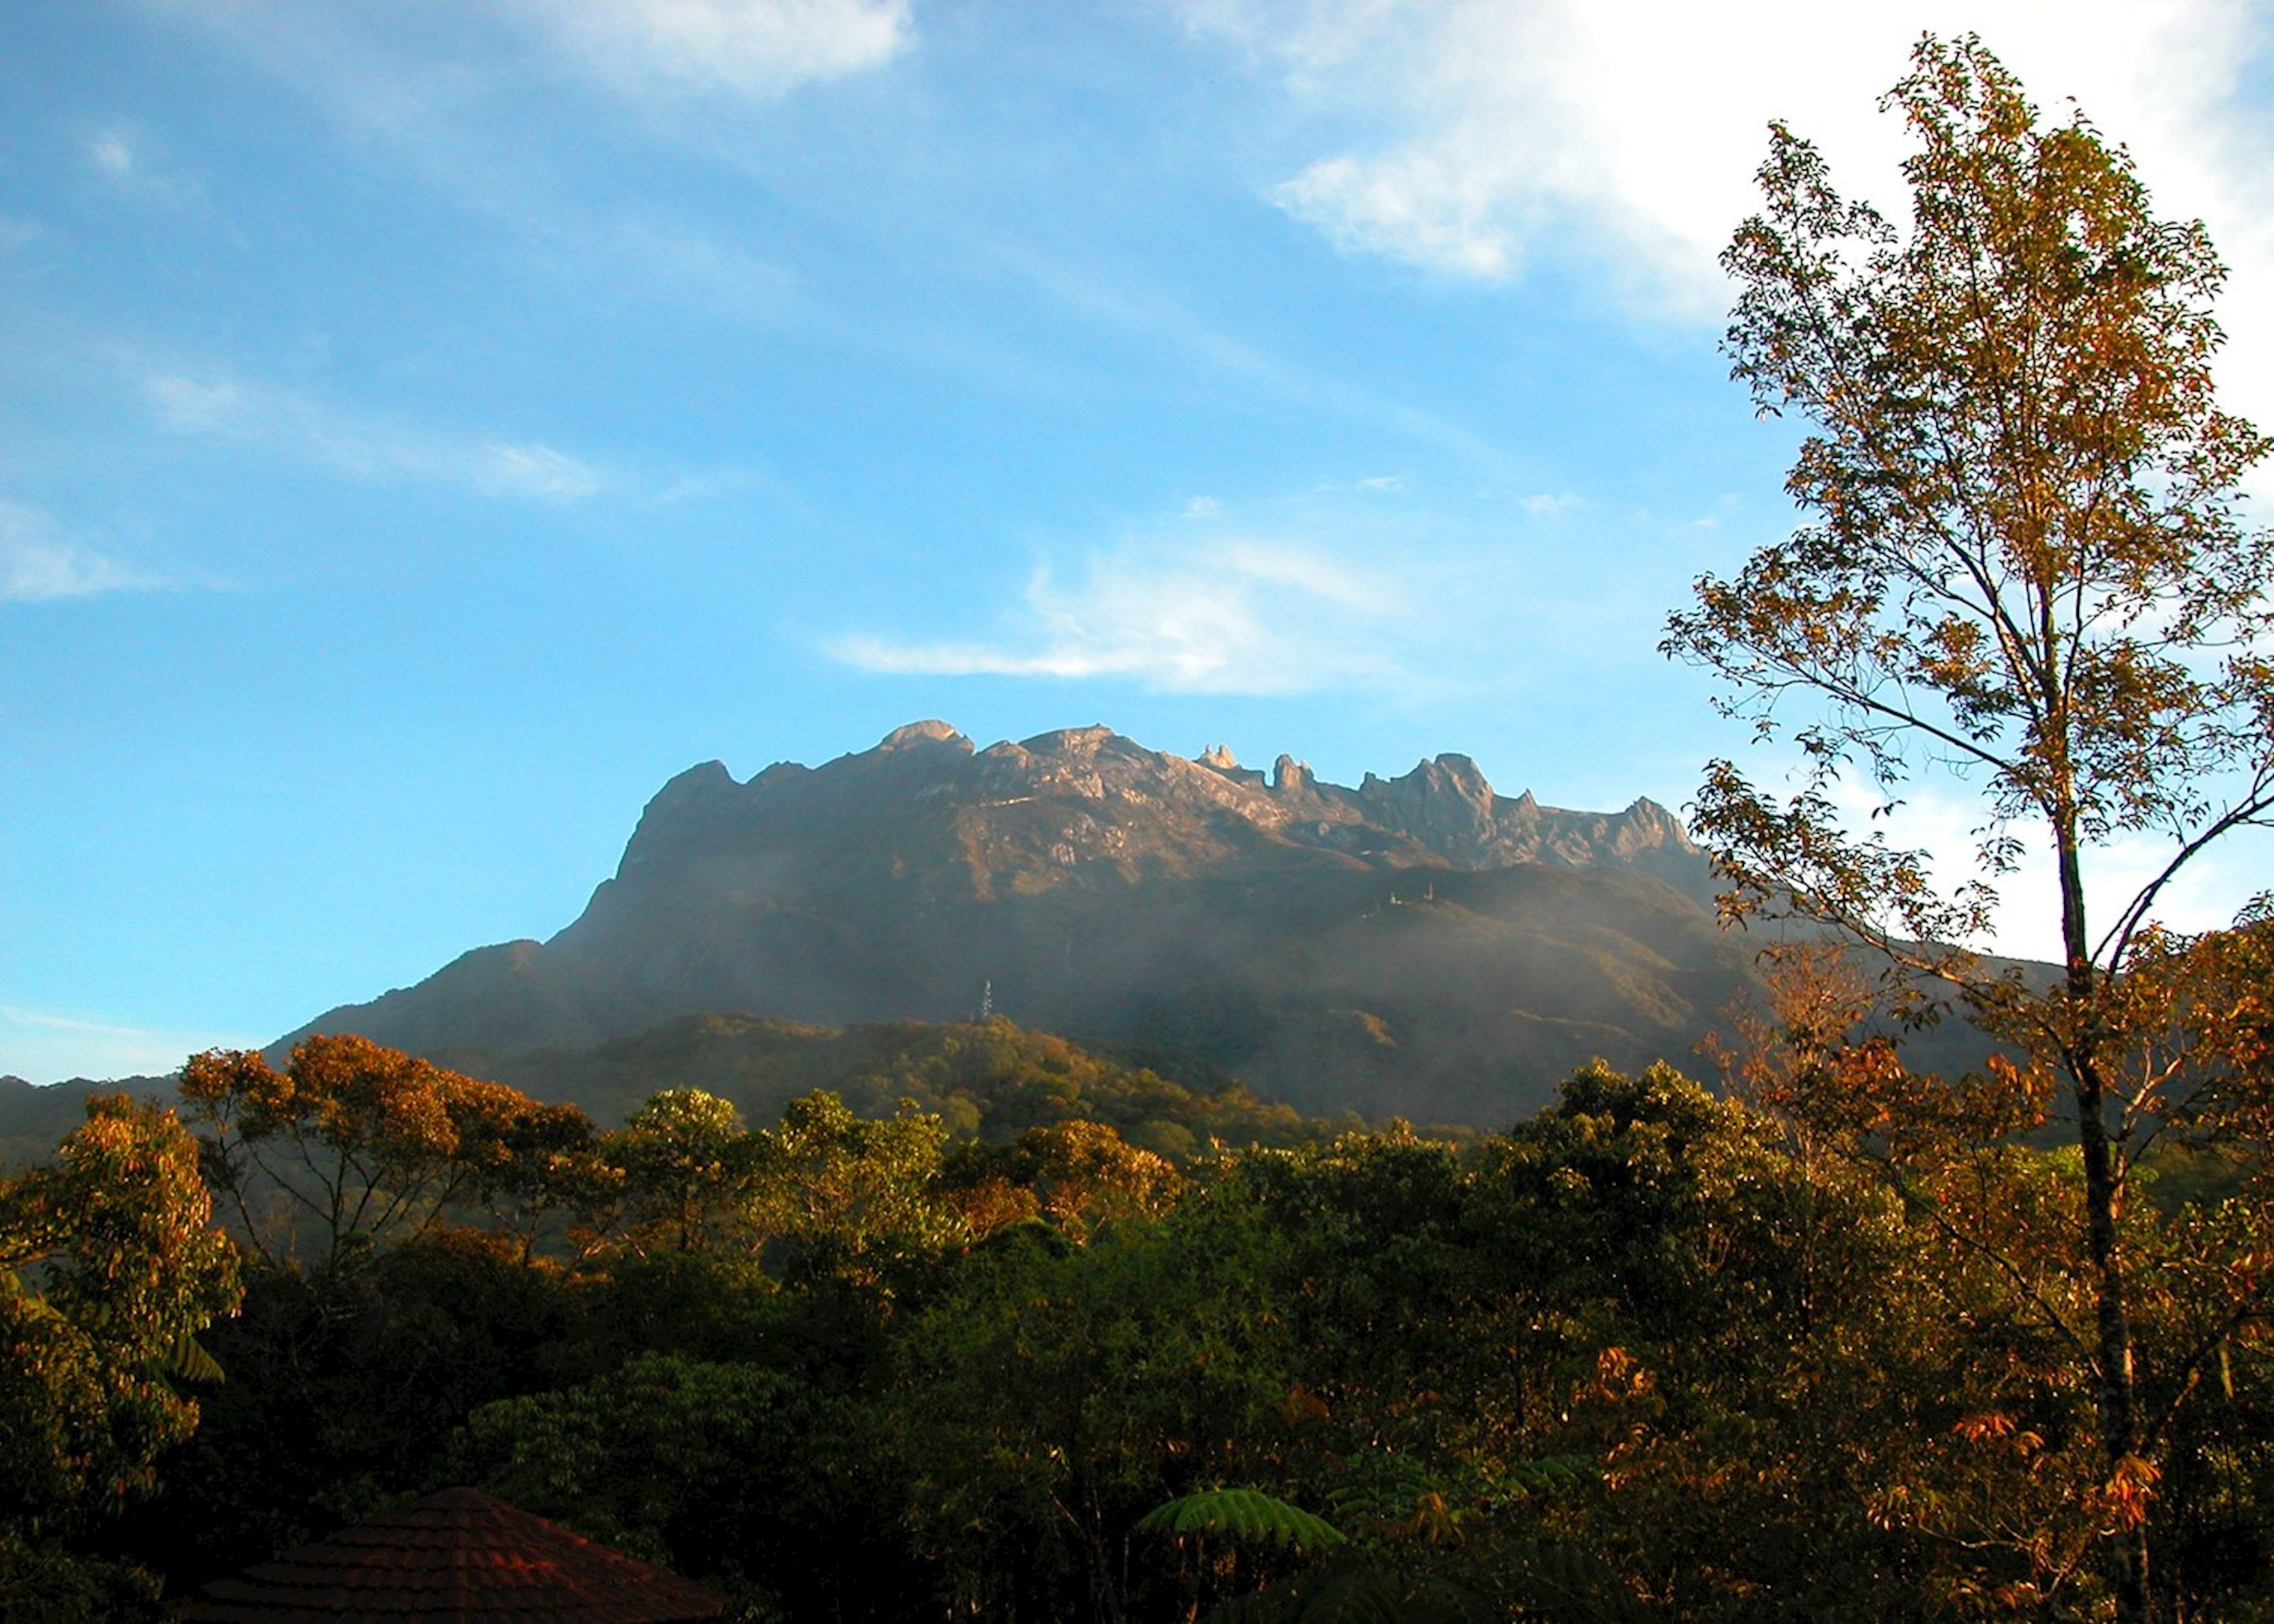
{"type": "Point", "coordinates": [2026, 567]}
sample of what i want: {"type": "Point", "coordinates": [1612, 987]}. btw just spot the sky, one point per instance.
{"type": "Point", "coordinates": [425, 428]}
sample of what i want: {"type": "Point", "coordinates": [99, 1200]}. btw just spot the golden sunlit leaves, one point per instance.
{"type": "Point", "coordinates": [354, 1146]}
{"type": "Point", "coordinates": [2121, 1504]}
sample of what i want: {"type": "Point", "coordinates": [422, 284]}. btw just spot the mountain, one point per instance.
{"type": "Point", "coordinates": [1419, 944]}
{"type": "Point", "coordinates": [34, 1117]}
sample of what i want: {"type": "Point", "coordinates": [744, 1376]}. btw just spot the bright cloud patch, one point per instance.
{"type": "Point", "coordinates": [121, 157]}
{"type": "Point", "coordinates": [366, 447]}
{"type": "Point", "coordinates": [1502, 124]}
{"type": "Point", "coordinates": [38, 564]}
{"type": "Point", "coordinates": [750, 47]}
{"type": "Point", "coordinates": [1940, 819]}
{"type": "Point", "coordinates": [1245, 617]}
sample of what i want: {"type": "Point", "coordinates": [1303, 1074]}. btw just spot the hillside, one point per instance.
{"type": "Point", "coordinates": [34, 1115]}
{"type": "Point", "coordinates": [985, 1079]}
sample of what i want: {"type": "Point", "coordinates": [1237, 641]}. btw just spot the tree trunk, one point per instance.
{"type": "Point", "coordinates": [2114, 1388]}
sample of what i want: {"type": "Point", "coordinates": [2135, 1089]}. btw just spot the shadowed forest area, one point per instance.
{"type": "Point", "coordinates": [1652, 1354]}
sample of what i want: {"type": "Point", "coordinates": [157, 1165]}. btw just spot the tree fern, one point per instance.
{"type": "Point", "coordinates": [1242, 1514]}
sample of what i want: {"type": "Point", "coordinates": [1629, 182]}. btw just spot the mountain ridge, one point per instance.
{"type": "Point", "coordinates": [1417, 943]}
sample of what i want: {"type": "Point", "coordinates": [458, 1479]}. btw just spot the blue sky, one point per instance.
{"type": "Point", "coordinates": [427, 427]}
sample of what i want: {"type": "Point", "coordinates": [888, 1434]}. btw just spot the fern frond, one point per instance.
{"type": "Point", "coordinates": [187, 1360]}
{"type": "Point", "coordinates": [1242, 1514]}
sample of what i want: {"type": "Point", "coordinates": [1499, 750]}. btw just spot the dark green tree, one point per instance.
{"type": "Point", "coordinates": [686, 1165]}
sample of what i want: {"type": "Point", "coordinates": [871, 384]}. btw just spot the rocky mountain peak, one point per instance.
{"type": "Point", "coordinates": [1090, 802]}
{"type": "Point", "coordinates": [916, 734]}
{"type": "Point", "coordinates": [1076, 742]}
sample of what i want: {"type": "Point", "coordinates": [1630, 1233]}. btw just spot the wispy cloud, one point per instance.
{"type": "Point", "coordinates": [755, 49]}
{"type": "Point", "coordinates": [112, 154]}
{"type": "Point", "coordinates": [1249, 616]}
{"type": "Point", "coordinates": [1110, 301]}
{"type": "Point", "coordinates": [456, 109]}
{"type": "Point", "coordinates": [39, 563]}
{"type": "Point", "coordinates": [48, 1046]}
{"type": "Point", "coordinates": [694, 267]}
{"type": "Point", "coordinates": [366, 446]}
{"type": "Point", "coordinates": [533, 470]}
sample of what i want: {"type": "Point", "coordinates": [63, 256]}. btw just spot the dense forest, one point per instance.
{"type": "Point", "coordinates": [1659, 1352]}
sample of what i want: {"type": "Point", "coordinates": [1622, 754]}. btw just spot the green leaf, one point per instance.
{"type": "Point", "coordinates": [1242, 1514]}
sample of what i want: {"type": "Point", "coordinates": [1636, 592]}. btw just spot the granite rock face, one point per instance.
{"type": "Point", "coordinates": [1420, 943]}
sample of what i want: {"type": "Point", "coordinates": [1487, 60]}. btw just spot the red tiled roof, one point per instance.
{"type": "Point", "coordinates": [456, 1557]}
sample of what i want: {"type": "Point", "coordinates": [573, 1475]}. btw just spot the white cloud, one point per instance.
{"type": "Point", "coordinates": [1383, 483]}
{"type": "Point", "coordinates": [1247, 617]}
{"type": "Point", "coordinates": [1547, 504]}
{"type": "Point", "coordinates": [366, 447]}
{"type": "Point", "coordinates": [1409, 205]}
{"type": "Point", "coordinates": [755, 49]}
{"type": "Point", "coordinates": [1496, 128]}
{"type": "Point", "coordinates": [38, 564]}
{"type": "Point", "coordinates": [195, 405]}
